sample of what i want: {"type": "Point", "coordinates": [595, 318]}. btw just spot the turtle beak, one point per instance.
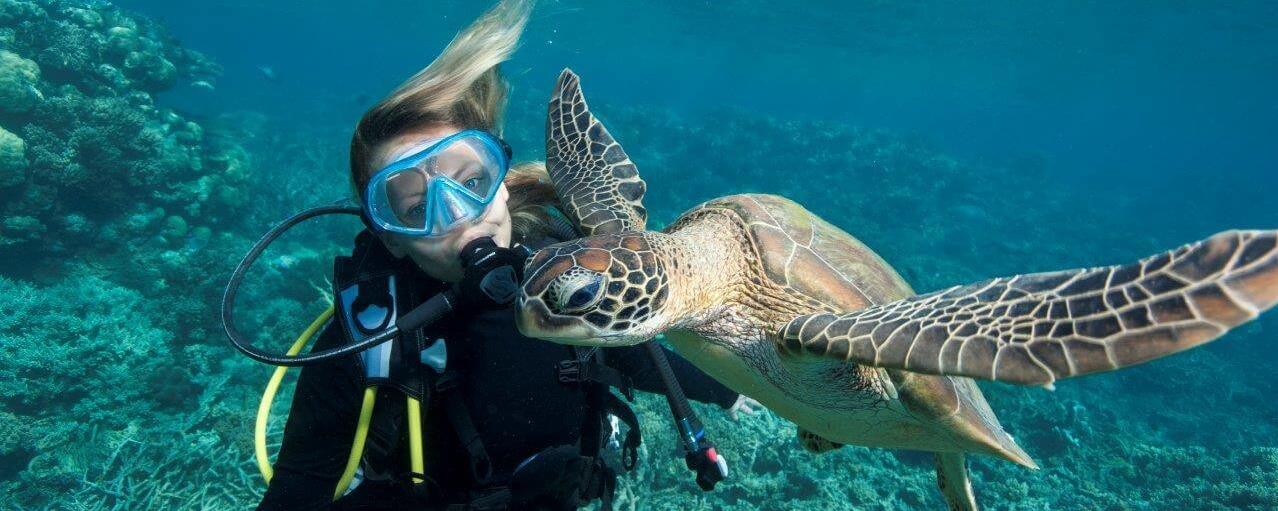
{"type": "Point", "coordinates": [529, 322]}
{"type": "Point", "coordinates": [535, 320]}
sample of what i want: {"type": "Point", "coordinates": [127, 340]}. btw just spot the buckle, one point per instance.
{"type": "Point", "coordinates": [569, 372]}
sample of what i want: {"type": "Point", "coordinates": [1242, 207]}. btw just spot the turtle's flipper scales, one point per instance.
{"type": "Point", "coordinates": [598, 185]}
{"type": "Point", "coordinates": [1038, 328]}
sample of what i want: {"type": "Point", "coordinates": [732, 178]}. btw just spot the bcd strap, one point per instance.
{"type": "Point", "coordinates": [600, 402]}
{"type": "Point", "coordinates": [367, 307]}
{"type": "Point", "coordinates": [578, 371]}
{"type": "Point", "coordinates": [630, 446]}
{"type": "Point", "coordinates": [591, 440]}
{"type": "Point", "coordinates": [495, 499]}
{"type": "Point", "coordinates": [601, 483]}
{"type": "Point", "coordinates": [481, 467]}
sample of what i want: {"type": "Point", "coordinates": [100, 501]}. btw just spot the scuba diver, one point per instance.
{"type": "Point", "coordinates": [509, 422]}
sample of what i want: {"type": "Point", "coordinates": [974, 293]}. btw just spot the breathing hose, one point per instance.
{"type": "Point", "coordinates": [561, 228]}
{"type": "Point", "coordinates": [357, 447]}
{"type": "Point", "coordinates": [699, 452]}
{"type": "Point", "coordinates": [237, 277]}
{"type": "Point", "coordinates": [361, 427]}
{"type": "Point", "coordinates": [415, 455]}
{"type": "Point", "coordinates": [268, 397]}
{"type": "Point", "coordinates": [425, 313]}
{"type": "Point", "coordinates": [273, 387]}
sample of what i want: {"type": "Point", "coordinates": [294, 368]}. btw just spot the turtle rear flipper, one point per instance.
{"type": "Point", "coordinates": [952, 478]}
{"type": "Point", "coordinates": [1038, 328]}
{"type": "Point", "coordinates": [598, 186]}
{"type": "Point", "coordinates": [814, 443]}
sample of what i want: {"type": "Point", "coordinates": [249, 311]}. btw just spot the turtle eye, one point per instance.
{"type": "Point", "coordinates": [580, 293]}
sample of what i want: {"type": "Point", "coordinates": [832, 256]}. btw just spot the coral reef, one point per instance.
{"type": "Point", "coordinates": [77, 83]}
{"type": "Point", "coordinates": [13, 159]}
{"type": "Point", "coordinates": [18, 79]}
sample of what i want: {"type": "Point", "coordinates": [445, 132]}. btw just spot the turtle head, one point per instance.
{"type": "Point", "coordinates": [608, 290]}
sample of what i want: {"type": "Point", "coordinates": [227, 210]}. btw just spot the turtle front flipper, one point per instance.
{"type": "Point", "coordinates": [597, 184]}
{"type": "Point", "coordinates": [1035, 329]}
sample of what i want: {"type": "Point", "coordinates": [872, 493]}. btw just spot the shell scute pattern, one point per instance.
{"type": "Point", "coordinates": [1043, 327]}
{"type": "Point", "coordinates": [814, 258]}
{"type": "Point", "coordinates": [800, 265]}
{"type": "Point", "coordinates": [597, 183]}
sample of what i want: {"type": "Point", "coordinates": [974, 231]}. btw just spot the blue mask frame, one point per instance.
{"type": "Point", "coordinates": [447, 202]}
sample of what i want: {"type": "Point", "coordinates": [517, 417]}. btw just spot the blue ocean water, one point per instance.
{"type": "Point", "coordinates": [960, 141]}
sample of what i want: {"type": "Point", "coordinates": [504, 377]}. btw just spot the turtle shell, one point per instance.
{"type": "Point", "coordinates": [804, 254]}
{"type": "Point", "coordinates": [800, 251]}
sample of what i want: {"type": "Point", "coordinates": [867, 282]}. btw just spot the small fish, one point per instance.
{"type": "Point", "coordinates": [202, 84]}
{"type": "Point", "coordinates": [267, 71]}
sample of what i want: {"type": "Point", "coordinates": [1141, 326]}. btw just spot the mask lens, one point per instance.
{"type": "Point", "coordinates": [470, 162]}
{"type": "Point", "coordinates": [406, 196]}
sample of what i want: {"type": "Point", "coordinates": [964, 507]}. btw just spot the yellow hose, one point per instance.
{"type": "Point", "coordinates": [415, 439]}
{"type": "Point", "coordinates": [272, 387]}
{"type": "Point", "coordinates": [357, 447]}
{"type": "Point", "coordinates": [361, 428]}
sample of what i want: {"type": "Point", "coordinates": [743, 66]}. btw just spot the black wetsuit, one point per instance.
{"type": "Point", "coordinates": [507, 381]}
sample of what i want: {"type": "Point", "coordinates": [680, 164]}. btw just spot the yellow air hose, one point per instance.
{"type": "Point", "coordinates": [415, 439]}
{"type": "Point", "coordinates": [357, 447]}
{"type": "Point", "coordinates": [272, 387]}
{"type": "Point", "coordinates": [361, 428]}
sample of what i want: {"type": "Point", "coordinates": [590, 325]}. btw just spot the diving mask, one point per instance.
{"type": "Point", "coordinates": [448, 183]}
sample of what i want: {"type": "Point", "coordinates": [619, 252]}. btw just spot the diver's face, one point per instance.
{"type": "Point", "coordinates": [437, 255]}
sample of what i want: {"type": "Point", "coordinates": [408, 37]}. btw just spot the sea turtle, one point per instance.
{"type": "Point", "coordinates": [786, 308]}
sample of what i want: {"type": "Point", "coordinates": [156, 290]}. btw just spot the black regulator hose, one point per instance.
{"type": "Point", "coordinates": [427, 312]}
{"type": "Point", "coordinates": [699, 452]}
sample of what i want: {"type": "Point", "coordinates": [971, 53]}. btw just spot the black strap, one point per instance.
{"type": "Point", "coordinates": [592, 371]}
{"type": "Point", "coordinates": [602, 484]}
{"type": "Point", "coordinates": [591, 427]}
{"type": "Point", "coordinates": [629, 446]}
{"type": "Point", "coordinates": [592, 424]}
{"type": "Point", "coordinates": [481, 467]}
{"type": "Point", "coordinates": [492, 499]}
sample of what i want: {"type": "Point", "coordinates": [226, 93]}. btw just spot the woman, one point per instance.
{"type": "Point", "coordinates": [501, 429]}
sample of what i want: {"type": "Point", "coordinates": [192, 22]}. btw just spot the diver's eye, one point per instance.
{"type": "Point", "coordinates": [580, 292]}
{"type": "Point", "coordinates": [414, 214]}
{"type": "Point", "coordinates": [472, 184]}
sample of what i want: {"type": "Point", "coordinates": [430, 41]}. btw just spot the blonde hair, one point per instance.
{"type": "Point", "coordinates": [463, 87]}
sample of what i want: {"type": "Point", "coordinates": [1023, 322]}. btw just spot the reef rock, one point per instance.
{"type": "Point", "coordinates": [13, 158]}
{"type": "Point", "coordinates": [18, 79]}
